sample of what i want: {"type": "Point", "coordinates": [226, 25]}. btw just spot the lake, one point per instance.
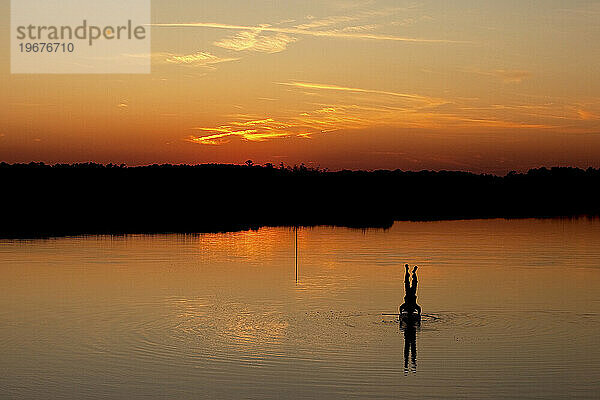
{"type": "Point", "coordinates": [511, 310]}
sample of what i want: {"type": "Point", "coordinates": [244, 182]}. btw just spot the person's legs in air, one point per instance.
{"type": "Point", "coordinates": [414, 282]}
{"type": "Point", "coordinates": [406, 281]}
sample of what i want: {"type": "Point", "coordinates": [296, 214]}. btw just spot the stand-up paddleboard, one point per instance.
{"type": "Point", "coordinates": [405, 316]}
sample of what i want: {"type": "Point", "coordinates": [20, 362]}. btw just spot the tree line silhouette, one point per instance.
{"type": "Point", "coordinates": [65, 199]}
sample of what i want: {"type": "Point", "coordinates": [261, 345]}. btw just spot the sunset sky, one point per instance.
{"type": "Point", "coordinates": [472, 85]}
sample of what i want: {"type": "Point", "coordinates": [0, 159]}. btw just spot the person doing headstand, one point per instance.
{"type": "Point", "coordinates": [410, 297]}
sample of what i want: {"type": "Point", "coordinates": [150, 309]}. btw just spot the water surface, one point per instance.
{"type": "Point", "coordinates": [512, 311]}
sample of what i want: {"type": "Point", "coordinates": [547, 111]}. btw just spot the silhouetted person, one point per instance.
{"type": "Point", "coordinates": [409, 322]}
{"type": "Point", "coordinates": [410, 297]}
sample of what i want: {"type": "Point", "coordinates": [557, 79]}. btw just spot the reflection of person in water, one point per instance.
{"type": "Point", "coordinates": [410, 344]}
{"type": "Point", "coordinates": [410, 297]}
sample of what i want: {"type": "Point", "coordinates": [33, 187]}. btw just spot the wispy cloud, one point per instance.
{"type": "Point", "coordinates": [326, 118]}
{"type": "Point", "coordinates": [254, 122]}
{"type": "Point", "coordinates": [306, 32]}
{"type": "Point", "coordinates": [507, 76]}
{"type": "Point", "coordinates": [255, 41]}
{"type": "Point", "coordinates": [373, 109]}
{"type": "Point", "coordinates": [416, 97]}
{"type": "Point", "coordinates": [412, 21]}
{"type": "Point", "coordinates": [590, 10]}
{"type": "Point", "coordinates": [359, 28]}
{"type": "Point", "coordinates": [511, 76]}
{"type": "Point", "coordinates": [324, 22]}
{"type": "Point", "coordinates": [253, 130]}
{"type": "Point", "coordinates": [195, 59]}
{"type": "Point", "coordinates": [198, 59]}
{"type": "Point", "coordinates": [587, 115]}
{"type": "Point", "coordinates": [220, 138]}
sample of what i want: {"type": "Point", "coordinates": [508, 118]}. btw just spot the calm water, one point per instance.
{"type": "Point", "coordinates": [513, 311]}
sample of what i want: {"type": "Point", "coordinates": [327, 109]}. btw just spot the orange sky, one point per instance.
{"type": "Point", "coordinates": [472, 85]}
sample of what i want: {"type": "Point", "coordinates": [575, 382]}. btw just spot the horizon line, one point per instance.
{"type": "Point", "coordinates": [309, 167]}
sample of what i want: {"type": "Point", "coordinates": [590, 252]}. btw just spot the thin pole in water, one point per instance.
{"type": "Point", "coordinates": [296, 231]}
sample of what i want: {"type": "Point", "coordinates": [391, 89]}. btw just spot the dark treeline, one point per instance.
{"type": "Point", "coordinates": [63, 199]}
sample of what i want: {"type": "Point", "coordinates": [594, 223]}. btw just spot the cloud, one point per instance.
{"type": "Point", "coordinates": [369, 109]}
{"type": "Point", "coordinates": [359, 28]}
{"type": "Point", "coordinates": [306, 32]}
{"type": "Point", "coordinates": [254, 122]}
{"type": "Point", "coordinates": [219, 138]}
{"type": "Point", "coordinates": [254, 41]}
{"type": "Point", "coordinates": [326, 118]}
{"type": "Point", "coordinates": [416, 97]}
{"type": "Point", "coordinates": [257, 130]}
{"type": "Point", "coordinates": [587, 116]}
{"type": "Point", "coordinates": [508, 76]}
{"type": "Point", "coordinates": [326, 110]}
{"type": "Point", "coordinates": [196, 59]}
{"type": "Point", "coordinates": [511, 76]}
{"type": "Point", "coordinates": [412, 21]}
{"type": "Point", "coordinates": [329, 21]}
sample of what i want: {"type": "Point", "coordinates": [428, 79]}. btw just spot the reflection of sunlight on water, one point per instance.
{"type": "Point", "coordinates": [190, 307]}
{"type": "Point", "coordinates": [246, 246]}
{"type": "Point", "coordinates": [249, 330]}
{"type": "Point", "coordinates": [228, 323]}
